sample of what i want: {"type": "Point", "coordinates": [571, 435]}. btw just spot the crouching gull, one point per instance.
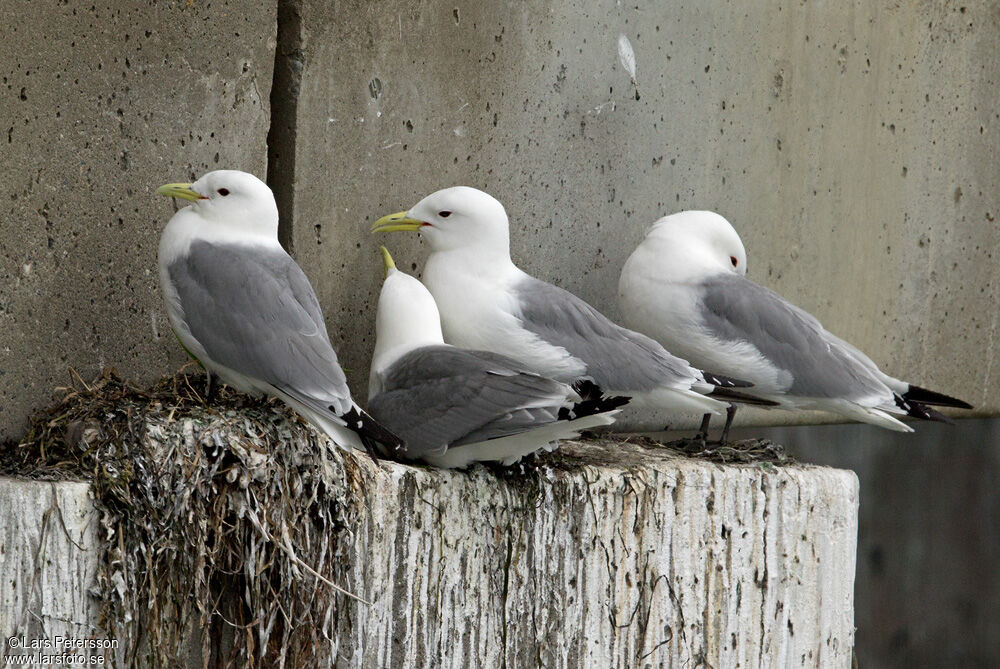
{"type": "Point", "coordinates": [685, 286]}
{"type": "Point", "coordinates": [244, 310]}
{"type": "Point", "coordinates": [487, 303]}
{"type": "Point", "coordinates": [454, 406]}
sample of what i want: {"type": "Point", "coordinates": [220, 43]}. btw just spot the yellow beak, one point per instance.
{"type": "Point", "coordinates": [182, 191]}
{"type": "Point", "coordinates": [387, 260]}
{"type": "Point", "coordinates": [395, 222]}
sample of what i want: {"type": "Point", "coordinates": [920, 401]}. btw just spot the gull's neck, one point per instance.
{"type": "Point", "coordinates": [188, 226]}
{"type": "Point", "coordinates": [406, 319]}
{"type": "Point", "coordinates": [474, 262]}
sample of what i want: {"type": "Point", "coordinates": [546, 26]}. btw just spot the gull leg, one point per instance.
{"type": "Point", "coordinates": [209, 387]}
{"type": "Point", "coordinates": [703, 430]}
{"type": "Point", "coordinates": [730, 413]}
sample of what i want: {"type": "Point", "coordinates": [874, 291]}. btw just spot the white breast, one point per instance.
{"type": "Point", "coordinates": [668, 312]}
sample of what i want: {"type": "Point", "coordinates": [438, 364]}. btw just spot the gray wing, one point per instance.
{"type": "Point", "coordinates": [440, 396]}
{"type": "Point", "coordinates": [736, 309]}
{"type": "Point", "coordinates": [618, 359]}
{"type": "Point", "coordinates": [254, 311]}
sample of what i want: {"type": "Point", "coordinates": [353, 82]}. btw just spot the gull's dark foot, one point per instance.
{"type": "Point", "coordinates": [702, 435]}
{"type": "Point", "coordinates": [371, 450]}
{"type": "Point", "coordinates": [724, 437]}
{"type": "Point", "coordinates": [210, 387]}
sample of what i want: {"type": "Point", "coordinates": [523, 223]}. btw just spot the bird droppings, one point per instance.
{"type": "Point", "coordinates": [241, 495]}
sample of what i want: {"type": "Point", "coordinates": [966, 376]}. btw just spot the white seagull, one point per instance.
{"type": "Point", "coordinates": [243, 309]}
{"type": "Point", "coordinates": [454, 406]}
{"type": "Point", "coordinates": [488, 303]}
{"type": "Point", "coordinates": [685, 286]}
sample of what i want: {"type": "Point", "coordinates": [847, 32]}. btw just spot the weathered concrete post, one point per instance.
{"type": "Point", "coordinates": [610, 553]}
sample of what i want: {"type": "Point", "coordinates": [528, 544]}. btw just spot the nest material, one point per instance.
{"type": "Point", "coordinates": [225, 518]}
{"type": "Point", "coordinates": [232, 517]}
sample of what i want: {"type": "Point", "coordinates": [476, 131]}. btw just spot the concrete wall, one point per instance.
{"type": "Point", "coordinates": [101, 103]}
{"type": "Point", "coordinates": [852, 144]}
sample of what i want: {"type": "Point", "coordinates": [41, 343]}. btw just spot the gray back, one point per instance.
{"type": "Point", "coordinates": [736, 309]}
{"type": "Point", "coordinates": [439, 396]}
{"type": "Point", "coordinates": [254, 311]}
{"type": "Point", "coordinates": [617, 359]}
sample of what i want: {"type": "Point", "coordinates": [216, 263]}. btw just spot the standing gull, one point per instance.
{"type": "Point", "coordinates": [242, 307]}
{"type": "Point", "coordinates": [455, 406]}
{"type": "Point", "coordinates": [685, 286]}
{"type": "Point", "coordinates": [487, 303]}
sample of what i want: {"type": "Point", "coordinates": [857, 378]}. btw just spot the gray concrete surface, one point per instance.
{"type": "Point", "coordinates": [50, 552]}
{"type": "Point", "coordinates": [101, 103]}
{"type": "Point", "coordinates": [629, 557]}
{"type": "Point", "coordinates": [852, 144]}
{"type": "Point", "coordinates": [927, 592]}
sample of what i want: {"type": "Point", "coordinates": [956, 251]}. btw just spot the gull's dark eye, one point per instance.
{"type": "Point", "coordinates": [223, 192]}
{"type": "Point", "coordinates": [734, 260]}
{"type": "Point", "coordinates": [444, 214]}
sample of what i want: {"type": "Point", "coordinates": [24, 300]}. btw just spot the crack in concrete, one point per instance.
{"type": "Point", "coordinates": [282, 134]}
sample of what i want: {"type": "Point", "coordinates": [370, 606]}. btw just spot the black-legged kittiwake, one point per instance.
{"type": "Point", "coordinates": [241, 306]}
{"type": "Point", "coordinates": [454, 406]}
{"type": "Point", "coordinates": [488, 303]}
{"type": "Point", "coordinates": [685, 286]}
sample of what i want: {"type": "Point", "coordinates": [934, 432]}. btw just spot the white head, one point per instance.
{"type": "Point", "coordinates": [239, 201]}
{"type": "Point", "coordinates": [455, 218]}
{"type": "Point", "coordinates": [407, 318]}
{"type": "Point", "coordinates": [693, 244]}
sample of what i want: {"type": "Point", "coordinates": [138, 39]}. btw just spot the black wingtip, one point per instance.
{"type": "Point", "coordinates": [377, 439]}
{"type": "Point", "coordinates": [922, 411]}
{"type": "Point", "coordinates": [725, 381]}
{"type": "Point", "coordinates": [924, 396]}
{"type": "Point", "coordinates": [743, 398]}
{"type": "Point", "coordinates": [593, 401]}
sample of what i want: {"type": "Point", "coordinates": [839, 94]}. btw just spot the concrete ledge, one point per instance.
{"type": "Point", "coordinates": [50, 554]}
{"type": "Point", "coordinates": [603, 554]}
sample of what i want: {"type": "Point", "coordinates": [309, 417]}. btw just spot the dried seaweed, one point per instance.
{"type": "Point", "coordinates": [226, 518]}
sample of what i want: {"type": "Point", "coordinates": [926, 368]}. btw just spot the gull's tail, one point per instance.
{"type": "Point", "coordinates": [508, 450]}
{"type": "Point", "coordinates": [723, 390]}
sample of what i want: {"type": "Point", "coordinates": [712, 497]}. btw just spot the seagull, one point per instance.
{"type": "Point", "coordinates": [487, 303]}
{"type": "Point", "coordinates": [454, 406]}
{"type": "Point", "coordinates": [246, 312]}
{"type": "Point", "coordinates": [686, 286]}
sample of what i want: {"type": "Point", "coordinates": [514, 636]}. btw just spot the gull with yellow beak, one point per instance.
{"type": "Point", "coordinates": [242, 308]}
{"type": "Point", "coordinates": [454, 406]}
{"type": "Point", "coordinates": [488, 303]}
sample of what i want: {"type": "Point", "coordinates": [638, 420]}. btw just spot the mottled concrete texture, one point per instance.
{"type": "Point", "coordinates": [927, 591]}
{"type": "Point", "coordinates": [637, 559]}
{"type": "Point", "coordinates": [102, 102]}
{"type": "Point", "coordinates": [852, 145]}
{"type": "Point", "coordinates": [49, 557]}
